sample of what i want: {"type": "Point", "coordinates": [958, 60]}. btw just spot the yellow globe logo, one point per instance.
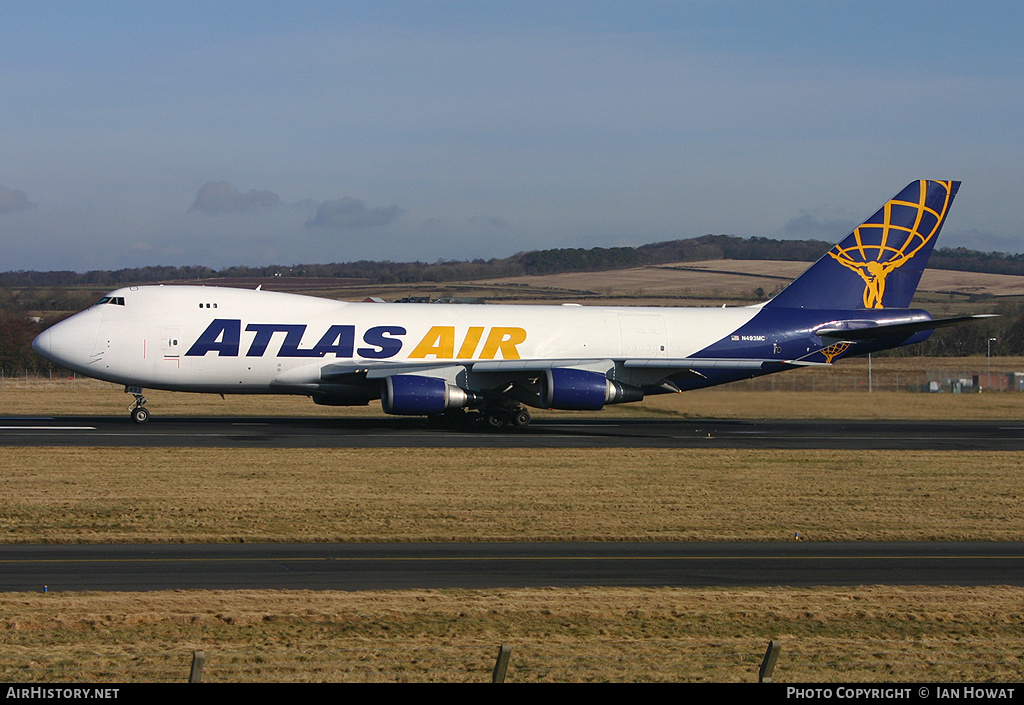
{"type": "Point", "coordinates": [880, 248]}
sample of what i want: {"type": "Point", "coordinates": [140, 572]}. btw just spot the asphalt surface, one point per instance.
{"type": "Point", "coordinates": [584, 432]}
{"type": "Point", "coordinates": [59, 568]}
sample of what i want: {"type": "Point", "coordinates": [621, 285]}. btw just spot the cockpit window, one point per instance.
{"type": "Point", "coordinates": [115, 300]}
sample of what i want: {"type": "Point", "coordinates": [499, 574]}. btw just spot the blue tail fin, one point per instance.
{"type": "Point", "coordinates": [880, 263]}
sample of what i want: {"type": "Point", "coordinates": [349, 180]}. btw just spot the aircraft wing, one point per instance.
{"type": "Point", "coordinates": [667, 366]}
{"type": "Point", "coordinates": [381, 370]}
{"type": "Point", "coordinates": [561, 383]}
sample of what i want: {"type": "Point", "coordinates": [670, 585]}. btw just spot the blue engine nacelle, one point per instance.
{"type": "Point", "coordinates": [413, 395]}
{"type": "Point", "coordinates": [582, 390]}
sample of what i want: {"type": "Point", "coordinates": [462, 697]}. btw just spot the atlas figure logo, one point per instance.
{"type": "Point", "coordinates": [224, 337]}
{"type": "Point", "coordinates": [880, 248]}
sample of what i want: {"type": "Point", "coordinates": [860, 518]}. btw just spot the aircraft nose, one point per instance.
{"type": "Point", "coordinates": [69, 343]}
{"type": "Point", "coordinates": [42, 343]}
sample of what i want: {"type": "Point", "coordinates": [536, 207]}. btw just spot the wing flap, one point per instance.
{"type": "Point", "coordinates": [342, 371]}
{"type": "Point", "coordinates": [539, 365]}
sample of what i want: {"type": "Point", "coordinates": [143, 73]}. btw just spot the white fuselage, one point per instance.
{"type": "Point", "coordinates": [223, 340]}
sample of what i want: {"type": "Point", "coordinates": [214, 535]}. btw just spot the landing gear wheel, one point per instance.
{"type": "Point", "coordinates": [521, 418]}
{"type": "Point", "coordinates": [138, 410]}
{"type": "Point", "coordinates": [496, 419]}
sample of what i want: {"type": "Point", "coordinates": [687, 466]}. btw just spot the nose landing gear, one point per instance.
{"type": "Point", "coordinates": [138, 410]}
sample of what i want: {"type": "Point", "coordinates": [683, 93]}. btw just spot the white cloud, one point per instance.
{"type": "Point", "coordinates": [351, 214]}
{"type": "Point", "coordinates": [217, 197]}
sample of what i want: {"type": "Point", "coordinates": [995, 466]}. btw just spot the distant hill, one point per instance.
{"type": "Point", "coordinates": [538, 262]}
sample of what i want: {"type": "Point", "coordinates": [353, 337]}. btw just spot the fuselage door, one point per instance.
{"type": "Point", "coordinates": [170, 344]}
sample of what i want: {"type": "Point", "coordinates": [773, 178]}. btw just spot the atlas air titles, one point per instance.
{"type": "Point", "coordinates": [223, 337]}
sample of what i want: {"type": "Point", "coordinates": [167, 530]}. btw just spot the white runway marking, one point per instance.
{"type": "Point", "coordinates": [47, 428]}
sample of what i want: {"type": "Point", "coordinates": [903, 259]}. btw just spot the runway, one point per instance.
{"type": "Point", "coordinates": [584, 432]}
{"type": "Point", "coordinates": [64, 568]}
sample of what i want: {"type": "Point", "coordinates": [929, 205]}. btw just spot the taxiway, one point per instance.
{"type": "Point", "coordinates": [134, 567]}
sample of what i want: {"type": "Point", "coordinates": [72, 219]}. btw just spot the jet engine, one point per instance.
{"type": "Point", "coordinates": [416, 396]}
{"type": "Point", "coordinates": [582, 390]}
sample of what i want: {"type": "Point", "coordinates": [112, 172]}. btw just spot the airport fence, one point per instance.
{"type": "Point", "coordinates": [956, 381]}
{"type": "Point", "coordinates": [737, 661]}
{"type": "Point", "coordinates": [27, 380]}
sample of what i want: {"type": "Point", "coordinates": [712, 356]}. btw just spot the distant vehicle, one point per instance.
{"type": "Point", "coordinates": [482, 365]}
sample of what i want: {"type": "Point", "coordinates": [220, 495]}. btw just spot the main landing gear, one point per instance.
{"type": "Point", "coordinates": [488, 419]}
{"type": "Point", "coordinates": [499, 418]}
{"type": "Point", "coordinates": [138, 410]}
{"type": "Point", "coordinates": [517, 416]}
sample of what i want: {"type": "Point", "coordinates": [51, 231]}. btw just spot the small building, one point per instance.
{"type": "Point", "coordinates": [999, 382]}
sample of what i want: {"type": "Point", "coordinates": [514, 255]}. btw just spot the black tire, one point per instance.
{"type": "Point", "coordinates": [521, 418]}
{"type": "Point", "coordinates": [496, 420]}
{"type": "Point", "coordinates": [140, 414]}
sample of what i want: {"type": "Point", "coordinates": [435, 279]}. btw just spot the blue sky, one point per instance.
{"type": "Point", "coordinates": [222, 133]}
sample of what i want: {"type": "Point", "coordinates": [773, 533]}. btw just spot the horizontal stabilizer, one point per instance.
{"type": "Point", "coordinates": [895, 329]}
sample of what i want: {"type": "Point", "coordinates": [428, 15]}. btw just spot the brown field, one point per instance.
{"type": "Point", "coordinates": [212, 494]}
{"type": "Point", "coordinates": [837, 635]}
{"type": "Point", "coordinates": [938, 281]}
{"type": "Point", "coordinates": [735, 280]}
{"type": "Point", "coordinates": [864, 634]}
